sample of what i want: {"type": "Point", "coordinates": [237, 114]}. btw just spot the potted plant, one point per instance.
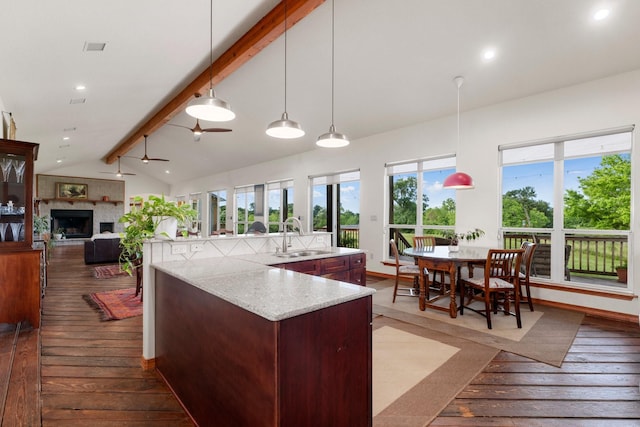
{"type": "Point", "coordinates": [454, 238]}
{"type": "Point", "coordinates": [621, 270]}
{"type": "Point", "coordinates": [58, 233]}
{"type": "Point", "coordinates": [141, 223]}
{"type": "Point", "coordinates": [40, 224]}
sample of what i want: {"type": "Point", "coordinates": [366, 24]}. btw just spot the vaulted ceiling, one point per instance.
{"type": "Point", "coordinates": [394, 66]}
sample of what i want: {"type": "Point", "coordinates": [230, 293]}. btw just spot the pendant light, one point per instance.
{"type": "Point", "coordinates": [285, 128]}
{"type": "Point", "coordinates": [459, 180]}
{"type": "Point", "coordinates": [332, 139]}
{"type": "Point", "coordinates": [208, 107]}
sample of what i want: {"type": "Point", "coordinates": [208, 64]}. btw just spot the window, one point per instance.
{"type": "Point", "coordinates": [217, 211]}
{"type": "Point", "coordinates": [245, 208]}
{"type": "Point", "coordinates": [335, 207]}
{"type": "Point", "coordinates": [280, 202]}
{"type": "Point", "coordinates": [418, 204]}
{"type": "Point", "coordinates": [573, 197]}
{"type": "Point", "coordinates": [195, 226]}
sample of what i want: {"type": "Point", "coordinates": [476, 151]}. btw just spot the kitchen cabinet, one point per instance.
{"type": "Point", "coordinates": [20, 264]}
{"type": "Point", "coordinates": [232, 367]}
{"type": "Point", "coordinates": [346, 268]}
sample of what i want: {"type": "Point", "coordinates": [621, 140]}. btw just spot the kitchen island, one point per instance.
{"type": "Point", "coordinates": [244, 343]}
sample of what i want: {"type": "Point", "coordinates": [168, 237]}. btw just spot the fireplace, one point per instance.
{"type": "Point", "coordinates": [75, 223]}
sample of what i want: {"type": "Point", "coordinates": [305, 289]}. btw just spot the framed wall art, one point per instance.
{"type": "Point", "coordinates": [71, 191]}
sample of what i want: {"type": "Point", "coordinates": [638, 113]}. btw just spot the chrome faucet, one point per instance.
{"type": "Point", "coordinates": [284, 231]}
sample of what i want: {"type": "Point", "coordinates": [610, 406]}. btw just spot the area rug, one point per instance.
{"type": "Point", "coordinates": [417, 371]}
{"type": "Point", "coordinates": [108, 271]}
{"type": "Point", "coordinates": [115, 305]}
{"type": "Point", "coordinates": [546, 336]}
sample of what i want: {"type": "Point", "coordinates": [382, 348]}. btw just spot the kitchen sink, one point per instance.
{"type": "Point", "coordinates": [303, 252]}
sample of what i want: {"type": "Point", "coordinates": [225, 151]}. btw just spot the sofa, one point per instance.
{"type": "Point", "coordinates": [102, 248]}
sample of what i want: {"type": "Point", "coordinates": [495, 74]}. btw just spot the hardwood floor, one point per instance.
{"type": "Point", "coordinates": [90, 370]}
{"type": "Point", "coordinates": [87, 372]}
{"type": "Point", "coordinates": [597, 385]}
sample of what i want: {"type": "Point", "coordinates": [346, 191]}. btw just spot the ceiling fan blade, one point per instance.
{"type": "Point", "coordinates": [217, 130]}
{"type": "Point", "coordinates": [180, 126]}
{"type": "Point", "coordinates": [121, 173]}
{"type": "Point", "coordinates": [147, 159]}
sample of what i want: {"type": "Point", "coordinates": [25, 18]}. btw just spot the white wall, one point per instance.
{"type": "Point", "coordinates": [596, 105]}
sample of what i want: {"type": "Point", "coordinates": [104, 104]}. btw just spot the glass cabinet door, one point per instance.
{"type": "Point", "coordinates": [16, 193]}
{"type": "Point", "coordinates": [12, 198]}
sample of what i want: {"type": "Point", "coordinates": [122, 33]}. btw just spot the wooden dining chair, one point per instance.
{"type": "Point", "coordinates": [525, 271]}
{"type": "Point", "coordinates": [501, 280]}
{"type": "Point", "coordinates": [404, 270]}
{"type": "Point", "coordinates": [426, 243]}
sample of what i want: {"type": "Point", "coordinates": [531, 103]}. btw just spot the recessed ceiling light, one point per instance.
{"type": "Point", "coordinates": [167, 171]}
{"type": "Point", "coordinates": [601, 14]}
{"type": "Point", "coordinates": [489, 54]}
{"type": "Point", "coordinates": [58, 160]}
{"type": "Point", "coordinates": [65, 138]}
{"type": "Point", "coordinates": [80, 87]}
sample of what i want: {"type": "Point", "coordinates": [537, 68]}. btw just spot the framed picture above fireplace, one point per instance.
{"type": "Point", "coordinates": [71, 191]}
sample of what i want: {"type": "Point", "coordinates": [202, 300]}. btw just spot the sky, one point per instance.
{"type": "Point", "coordinates": [540, 176]}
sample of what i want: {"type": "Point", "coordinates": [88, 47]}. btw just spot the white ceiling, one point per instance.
{"type": "Point", "coordinates": [394, 66]}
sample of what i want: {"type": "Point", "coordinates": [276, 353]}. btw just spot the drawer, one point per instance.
{"type": "Point", "coordinates": [335, 264]}
{"type": "Point", "coordinates": [358, 276]}
{"type": "Point", "coordinates": [357, 261]}
{"type": "Point", "coordinates": [308, 267]}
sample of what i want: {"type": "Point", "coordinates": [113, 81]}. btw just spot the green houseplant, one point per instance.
{"type": "Point", "coordinates": [454, 238]}
{"type": "Point", "coordinates": [40, 224]}
{"type": "Point", "coordinates": [141, 223]}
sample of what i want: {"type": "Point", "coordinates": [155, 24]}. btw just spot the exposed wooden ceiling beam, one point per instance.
{"type": "Point", "coordinates": [265, 31]}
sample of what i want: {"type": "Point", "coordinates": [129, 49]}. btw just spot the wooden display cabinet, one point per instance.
{"type": "Point", "coordinates": [20, 288]}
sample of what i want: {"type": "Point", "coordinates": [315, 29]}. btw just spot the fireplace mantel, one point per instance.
{"type": "Point", "coordinates": [72, 201]}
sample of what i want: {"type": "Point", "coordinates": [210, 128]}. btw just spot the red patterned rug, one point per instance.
{"type": "Point", "coordinates": [115, 305]}
{"type": "Point", "coordinates": [107, 271]}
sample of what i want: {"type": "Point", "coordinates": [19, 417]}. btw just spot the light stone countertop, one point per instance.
{"type": "Point", "coordinates": [272, 293]}
{"type": "Point", "coordinates": [272, 259]}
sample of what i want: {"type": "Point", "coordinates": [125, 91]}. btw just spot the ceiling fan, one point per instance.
{"type": "Point", "coordinates": [147, 159]}
{"type": "Point", "coordinates": [198, 131]}
{"type": "Point", "coordinates": [119, 173]}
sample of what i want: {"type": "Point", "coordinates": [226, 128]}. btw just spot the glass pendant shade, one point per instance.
{"type": "Point", "coordinates": [332, 139]}
{"type": "Point", "coordinates": [210, 108]}
{"type": "Point", "coordinates": [459, 181]}
{"type": "Point", "coordinates": [285, 128]}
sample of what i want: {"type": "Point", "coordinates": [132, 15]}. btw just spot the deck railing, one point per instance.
{"type": "Point", "coordinates": [349, 236]}
{"type": "Point", "coordinates": [595, 254]}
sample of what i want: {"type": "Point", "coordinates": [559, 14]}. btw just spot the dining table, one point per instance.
{"type": "Point", "coordinates": [442, 258]}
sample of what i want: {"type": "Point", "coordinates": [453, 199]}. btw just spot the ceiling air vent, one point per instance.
{"type": "Point", "coordinates": [94, 46]}
{"type": "Point", "coordinates": [77, 101]}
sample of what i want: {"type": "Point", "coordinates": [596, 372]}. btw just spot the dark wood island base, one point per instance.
{"type": "Point", "coordinates": [231, 367]}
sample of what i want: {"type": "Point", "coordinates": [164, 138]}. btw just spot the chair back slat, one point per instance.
{"type": "Point", "coordinates": [503, 264]}
{"type": "Point", "coordinates": [421, 242]}
{"type": "Point", "coordinates": [527, 257]}
{"type": "Point", "coordinates": [394, 250]}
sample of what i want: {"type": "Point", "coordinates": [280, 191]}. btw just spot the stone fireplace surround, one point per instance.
{"type": "Point", "coordinates": [104, 212]}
